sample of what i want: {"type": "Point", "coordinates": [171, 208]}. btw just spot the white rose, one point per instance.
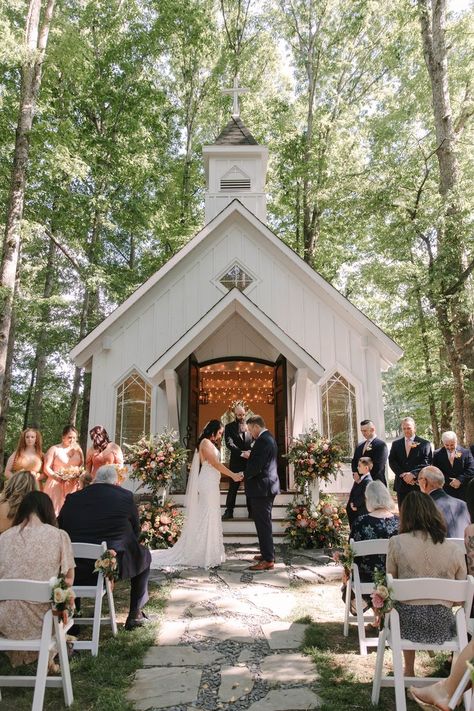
{"type": "Point", "coordinates": [59, 595]}
{"type": "Point", "coordinates": [53, 581]}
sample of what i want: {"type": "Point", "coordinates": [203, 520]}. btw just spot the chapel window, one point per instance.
{"type": "Point", "coordinates": [339, 412]}
{"type": "Point", "coordinates": [236, 278]}
{"type": "Point", "coordinates": [133, 409]}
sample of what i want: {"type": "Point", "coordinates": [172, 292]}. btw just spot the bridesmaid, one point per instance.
{"type": "Point", "coordinates": [103, 451]}
{"type": "Point", "coordinates": [60, 456]}
{"type": "Point", "coordinates": [28, 455]}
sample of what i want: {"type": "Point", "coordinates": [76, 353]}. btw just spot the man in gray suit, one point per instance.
{"type": "Point", "coordinates": [456, 515]}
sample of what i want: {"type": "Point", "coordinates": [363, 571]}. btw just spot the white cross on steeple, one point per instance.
{"type": "Point", "coordinates": [235, 91]}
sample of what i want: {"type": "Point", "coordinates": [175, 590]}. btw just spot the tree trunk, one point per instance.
{"type": "Point", "coordinates": [428, 369]}
{"type": "Point", "coordinates": [7, 385]}
{"type": "Point", "coordinates": [76, 385]}
{"type": "Point", "coordinates": [42, 345]}
{"type": "Point", "coordinates": [36, 41]}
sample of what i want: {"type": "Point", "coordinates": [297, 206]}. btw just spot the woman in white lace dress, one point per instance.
{"type": "Point", "coordinates": [201, 544]}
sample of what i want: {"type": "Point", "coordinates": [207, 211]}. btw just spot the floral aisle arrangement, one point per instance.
{"type": "Point", "coordinates": [156, 461]}
{"type": "Point", "coordinates": [314, 457]}
{"type": "Point", "coordinates": [160, 525]}
{"type": "Point", "coordinates": [345, 558]}
{"type": "Point", "coordinates": [315, 527]}
{"type": "Point", "coordinates": [382, 601]}
{"type": "Point", "coordinates": [62, 598]}
{"type": "Point", "coordinates": [108, 565]}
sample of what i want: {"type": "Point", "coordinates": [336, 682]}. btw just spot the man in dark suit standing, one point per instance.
{"type": "Point", "coordinates": [106, 512]}
{"type": "Point", "coordinates": [455, 512]}
{"type": "Point", "coordinates": [356, 506]}
{"type": "Point", "coordinates": [262, 485]}
{"type": "Point", "coordinates": [238, 441]}
{"type": "Point", "coordinates": [456, 463]}
{"type": "Point", "coordinates": [408, 455]}
{"type": "Point", "coordinates": [373, 447]}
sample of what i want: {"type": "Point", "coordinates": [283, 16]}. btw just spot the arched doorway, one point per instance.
{"type": "Point", "coordinates": [215, 385]}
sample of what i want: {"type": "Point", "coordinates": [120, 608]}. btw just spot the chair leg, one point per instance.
{"type": "Point", "coordinates": [64, 662]}
{"type": "Point", "coordinates": [379, 667]}
{"type": "Point", "coordinates": [96, 624]}
{"type": "Point", "coordinates": [111, 604]}
{"type": "Point", "coordinates": [399, 677]}
{"type": "Point", "coordinates": [42, 668]}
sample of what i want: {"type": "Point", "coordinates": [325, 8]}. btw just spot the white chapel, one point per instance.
{"type": "Point", "coordinates": [236, 315]}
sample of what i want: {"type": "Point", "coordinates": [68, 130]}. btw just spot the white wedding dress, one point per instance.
{"type": "Point", "coordinates": [201, 544]}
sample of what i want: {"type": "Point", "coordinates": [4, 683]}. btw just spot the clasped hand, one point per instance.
{"type": "Point", "coordinates": [238, 477]}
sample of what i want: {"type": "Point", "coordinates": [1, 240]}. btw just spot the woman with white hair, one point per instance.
{"type": "Point", "coordinates": [379, 522]}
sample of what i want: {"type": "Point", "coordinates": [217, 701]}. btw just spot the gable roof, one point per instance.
{"type": "Point", "coordinates": [233, 302]}
{"type": "Point", "coordinates": [235, 133]}
{"type": "Point", "coordinates": [391, 351]}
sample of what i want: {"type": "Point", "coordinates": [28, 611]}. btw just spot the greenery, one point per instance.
{"type": "Point", "coordinates": [315, 527]}
{"type": "Point", "coordinates": [156, 461]}
{"type": "Point", "coordinates": [160, 524]}
{"type": "Point", "coordinates": [371, 178]}
{"type": "Point", "coordinates": [98, 682]}
{"type": "Point", "coordinates": [313, 457]}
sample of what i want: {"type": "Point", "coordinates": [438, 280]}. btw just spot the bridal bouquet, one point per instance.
{"type": "Point", "coordinates": [156, 461]}
{"type": "Point", "coordinates": [160, 526]}
{"type": "Point", "coordinates": [69, 473]}
{"type": "Point", "coordinates": [314, 457]}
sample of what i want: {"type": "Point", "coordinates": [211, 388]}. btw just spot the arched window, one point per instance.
{"type": "Point", "coordinates": [339, 412]}
{"type": "Point", "coordinates": [133, 409]}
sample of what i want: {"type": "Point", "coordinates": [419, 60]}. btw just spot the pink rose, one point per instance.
{"type": "Point", "coordinates": [377, 601]}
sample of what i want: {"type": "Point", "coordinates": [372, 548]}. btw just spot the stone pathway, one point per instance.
{"type": "Point", "coordinates": [228, 642]}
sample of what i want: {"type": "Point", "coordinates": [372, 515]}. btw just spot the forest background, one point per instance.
{"type": "Point", "coordinates": [368, 112]}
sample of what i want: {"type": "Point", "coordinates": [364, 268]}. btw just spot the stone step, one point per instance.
{"type": "Point", "coordinates": [280, 500]}
{"type": "Point", "coordinates": [237, 527]}
{"type": "Point", "coordinates": [278, 512]}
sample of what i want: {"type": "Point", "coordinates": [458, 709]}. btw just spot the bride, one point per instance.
{"type": "Point", "coordinates": [201, 543]}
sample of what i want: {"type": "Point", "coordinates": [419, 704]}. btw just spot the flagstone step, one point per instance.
{"type": "Point", "coordinates": [236, 526]}
{"type": "Point", "coordinates": [280, 500]}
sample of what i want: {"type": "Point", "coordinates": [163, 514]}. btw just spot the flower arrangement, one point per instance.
{"type": "Point", "coordinates": [62, 598]}
{"type": "Point", "coordinates": [345, 558]}
{"type": "Point", "coordinates": [160, 525]}
{"type": "Point", "coordinates": [319, 527]}
{"type": "Point", "coordinates": [314, 457]}
{"type": "Point", "coordinates": [156, 461]}
{"type": "Point", "coordinates": [108, 565]}
{"type": "Point", "coordinates": [381, 598]}
{"type": "Point", "coordinates": [69, 473]}
{"type": "Point", "coordinates": [122, 473]}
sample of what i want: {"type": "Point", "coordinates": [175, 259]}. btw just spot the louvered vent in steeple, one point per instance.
{"type": "Point", "coordinates": [235, 179]}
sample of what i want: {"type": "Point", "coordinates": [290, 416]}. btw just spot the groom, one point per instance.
{"type": "Point", "coordinates": [262, 485]}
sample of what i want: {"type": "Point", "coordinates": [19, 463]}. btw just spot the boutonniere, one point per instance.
{"type": "Point", "coordinates": [414, 444]}
{"type": "Point", "coordinates": [458, 455]}
{"type": "Point", "coordinates": [368, 448]}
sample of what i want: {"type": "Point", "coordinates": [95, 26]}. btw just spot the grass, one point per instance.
{"type": "Point", "coordinates": [99, 683]}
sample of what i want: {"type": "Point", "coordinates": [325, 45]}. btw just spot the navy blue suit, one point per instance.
{"type": "Point", "coordinates": [418, 457]}
{"type": "Point", "coordinates": [462, 469]}
{"type": "Point", "coordinates": [357, 497]}
{"type": "Point", "coordinates": [105, 512]}
{"type": "Point", "coordinates": [454, 511]}
{"type": "Point", "coordinates": [262, 485]}
{"type": "Point", "coordinates": [378, 453]}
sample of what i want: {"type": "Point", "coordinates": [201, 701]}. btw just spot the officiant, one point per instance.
{"type": "Point", "coordinates": [238, 441]}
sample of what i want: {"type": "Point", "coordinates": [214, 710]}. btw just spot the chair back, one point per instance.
{"type": "Point", "coordinates": [376, 546]}
{"type": "Point", "coordinates": [459, 542]}
{"type": "Point", "coordinates": [455, 591]}
{"type": "Point", "coordinates": [26, 590]}
{"type": "Point", "coordinates": [90, 551]}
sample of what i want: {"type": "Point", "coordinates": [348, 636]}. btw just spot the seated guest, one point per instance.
{"type": "Point", "coordinates": [16, 488]}
{"type": "Point", "coordinates": [106, 512]}
{"type": "Point", "coordinates": [379, 522]}
{"type": "Point", "coordinates": [438, 695]}
{"type": "Point", "coordinates": [373, 447]}
{"type": "Point", "coordinates": [456, 463]}
{"type": "Point", "coordinates": [422, 551]}
{"type": "Point", "coordinates": [362, 478]}
{"type": "Point", "coordinates": [33, 549]}
{"type": "Point", "coordinates": [408, 455]}
{"type": "Point", "coordinates": [103, 451]}
{"type": "Point", "coordinates": [455, 512]}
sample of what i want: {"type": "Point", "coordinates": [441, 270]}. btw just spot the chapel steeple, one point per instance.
{"type": "Point", "coordinates": [236, 166]}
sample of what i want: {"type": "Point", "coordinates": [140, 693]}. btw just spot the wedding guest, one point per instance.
{"type": "Point", "coordinates": [373, 447]}
{"type": "Point", "coordinates": [103, 451]}
{"type": "Point", "coordinates": [356, 505]}
{"type": "Point", "coordinates": [238, 441]}
{"type": "Point", "coordinates": [33, 549]}
{"type": "Point", "coordinates": [407, 456]}
{"type": "Point", "coordinates": [455, 512]}
{"type": "Point", "coordinates": [422, 551]}
{"type": "Point", "coordinates": [16, 488]}
{"type": "Point", "coordinates": [28, 455]}
{"type": "Point", "coordinates": [436, 697]}
{"type": "Point", "coordinates": [456, 463]}
{"type": "Point", "coordinates": [106, 512]}
{"type": "Point", "coordinates": [62, 457]}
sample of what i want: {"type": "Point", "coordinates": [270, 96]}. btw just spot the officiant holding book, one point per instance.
{"type": "Point", "coordinates": [238, 441]}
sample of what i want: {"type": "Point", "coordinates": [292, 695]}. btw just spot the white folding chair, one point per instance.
{"type": "Point", "coordinates": [459, 542]}
{"type": "Point", "coordinates": [92, 551]}
{"type": "Point", "coordinates": [362, 548]}
{"type": "Point", "coordinates": [455, 591]}
{"type": "Point", "coordinates": [34, 591]}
